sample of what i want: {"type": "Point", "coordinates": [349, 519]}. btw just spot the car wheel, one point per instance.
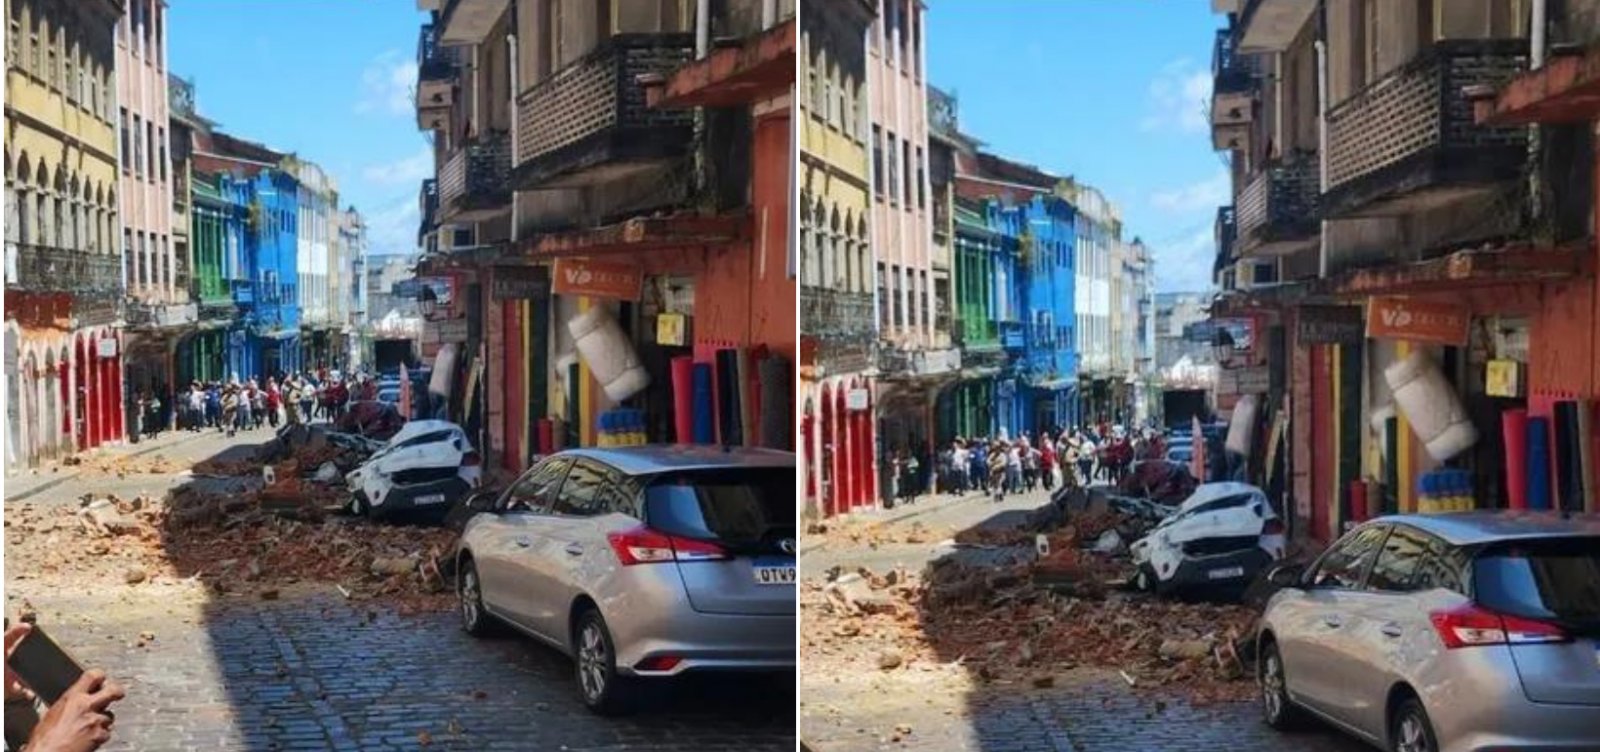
{"type": "Point", "coordinates": [1277, 709]}
{"type": "Point", "coordinates": [475, 620]}
{"type": "Point", "coordinates": [604, 691]}
{"type": "Point", "coordinates": [1410, 730]}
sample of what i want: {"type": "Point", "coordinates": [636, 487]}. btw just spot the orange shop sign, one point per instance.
{"type": "Point", "coordinates": [600, 279]}
{"type": "Point", "coordinates": [1416, 321]}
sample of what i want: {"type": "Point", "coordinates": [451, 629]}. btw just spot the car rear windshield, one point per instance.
{"type": "Point", "coordinates": [744, 508]}
{"type": "Point", "coordinates": [1554, 580]}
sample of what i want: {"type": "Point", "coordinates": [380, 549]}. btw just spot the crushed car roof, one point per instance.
{"type": "Point", "coordinates": [1208, 492]}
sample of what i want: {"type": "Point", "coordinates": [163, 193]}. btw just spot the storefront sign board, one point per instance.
{"type": "Point", "coordinates": [1330, 325]}
{"type": "Point", "coordinates": [671, 329]}
{"type": "Point", "coordinates": [1418, 321]}
{"type": "Point", "coordinates": [1503, 379]}
{"type": "Point", "coordinates": [600, 279]}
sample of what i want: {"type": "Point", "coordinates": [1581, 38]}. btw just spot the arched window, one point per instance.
{"type": "Point", "coordinates": [835, 251]}
{"type": "Point", "coordinates": [863, 254]}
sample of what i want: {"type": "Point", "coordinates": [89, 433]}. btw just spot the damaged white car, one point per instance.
{"type": "Point", "coordinates": [1222, 536]}
{"type": "Point", "coordinates": [424, 468]}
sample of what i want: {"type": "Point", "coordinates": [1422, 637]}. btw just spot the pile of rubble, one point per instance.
{"type": "Point", "coordinates": [1059, 604]}
{"type": "Point", "coordinates": [123, 466]}
{"type": "Point", "coordinates": [239, 546]}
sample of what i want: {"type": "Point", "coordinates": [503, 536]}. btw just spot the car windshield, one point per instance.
{"type": "Point", "coordinates": [737, 507]}
{"type": "Point", "coordinates": [1556, 580]}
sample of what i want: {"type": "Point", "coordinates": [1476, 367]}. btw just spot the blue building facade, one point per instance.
{"type": "Point", "coordinates": [1049, 367]}
{"type": "Point", "coordinates": [1009, 223]}
{"type": "Point", "coordinates": [260, 263]}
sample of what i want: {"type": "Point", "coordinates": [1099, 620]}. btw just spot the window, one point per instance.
{"type": "Point", "coordinates": [1397, 563]}
{"type": "Point", "coordinates": [1345, 565]}
{"type": "Point", "coordinates": [893, 185]}
{"type": "Point", "coordinates": [150, 149]}
{"type": "Point", "coordinates": [35, 49]}
{"type": "Point", "coordinates": [923, 309]}
{"type": "Point", "coordinates": [14, 35]}
{"type": "Point", "coordinates": [905, 168]}
{"type": "Point", "coordinates": [896, 287]}
{"type": "Point", "coordinates": [1555, 579]}
{"type": "Point", "coordinates": [580, 494]}
{"type": "Point", "coordinates": [742, 508]}
{"type": "Point", "coordinates": [877, 160]}
{"type": "Point", "coordinates": [73, 76]}
{"type": "Point", "coordinates": [922, 195]}
{"type": "Point", "coordinates": [161, 160]}
{"type": "Point", "coordinates": [138, 146]}
{"type": "Point", "coordinates": [52, 44]}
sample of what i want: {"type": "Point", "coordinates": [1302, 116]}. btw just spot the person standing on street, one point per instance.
{"type": "Point", "coordinates": [997, 470]}
{"type": "Point", "coordinates": [273, 400]}
{"type": "Point", "coordinates": [978, 464]}
{"type": "Point", "coordinates": [214, 406]}
{"type": "Point", "coordinates": [959, 462]}
{"type": "Point", "coordinates": [1047, 461]}
{"type": "Point", "coordinates": [230, 410]}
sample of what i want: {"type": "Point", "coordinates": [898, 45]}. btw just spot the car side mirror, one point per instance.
{"type": "Point", "coordinates": [1286, 575]}
{"type": "Point", "coordinates": [483, 501]}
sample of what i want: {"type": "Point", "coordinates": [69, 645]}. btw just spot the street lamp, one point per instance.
{"type": "Point", "coordinates": [428, 301]}
{"type": "Point", "coordinates": [1222, 345]}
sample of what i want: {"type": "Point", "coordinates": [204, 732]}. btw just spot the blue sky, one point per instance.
{"type": "Point", "coordinates": [328, 79]}
{"type": "Point", "coordinates": [1112, 91]}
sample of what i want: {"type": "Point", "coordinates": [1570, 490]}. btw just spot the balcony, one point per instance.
{"type": "Point", "coordinates": [428, 206]}
{"type": "Point", "coordinates": [474, 184]}
{"type": "Point", "coordinates": [1013, 335]}
{"type": "Point", "coordinates": [1232, 93]}
{"type": "Point", "coordinates": [838, 329]}
{"type": "Point", "coordinates": [469, 21]}
{"type": "Point", "coordinates": [1272, 25]}
{"type": "Point", "coordinates": [436, 72]}
{"type": "Point", "coordinates": [1277, 209]}
{"type": "Point", "coordinates": [589, 122]}
{"type": "Point", "coordinates": [1226, 233]}
{"type": "Point", "coordinates": [141, 315]}
{"type": "Point", "coordinates": [1408, 142]}
{"type": "Point", "coordinates": [36, 268]}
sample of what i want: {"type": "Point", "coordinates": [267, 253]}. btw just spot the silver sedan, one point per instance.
{"type": "Point", "coordinates": [1454, 632]}
{"type": "Point", "coordinates": [640, 562]}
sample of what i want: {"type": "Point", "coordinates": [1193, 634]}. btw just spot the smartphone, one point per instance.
{"type": "Point", "coordinates": [44, 666]}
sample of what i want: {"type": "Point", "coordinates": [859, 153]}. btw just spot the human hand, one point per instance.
{"type": "Point", "coordinates": [79, 721]}
{"type": "Point", "coordinates": [15, 689]}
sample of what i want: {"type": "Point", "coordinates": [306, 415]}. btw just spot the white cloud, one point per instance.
{"type": "Point", "coordinates": [1206, 195]}
{"type": "Point", "coordinates": [1178, 99]}
{"type": "Point", "coordinates": [411, 169]}
{"type": "Point", "coordinates": [1184, 263]}
{"type": "Point", "coordinates": [388, 84]}
{"type": "Point", "coordinates": [393, 228]}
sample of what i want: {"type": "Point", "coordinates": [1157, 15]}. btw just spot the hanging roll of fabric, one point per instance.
{"type": "Point", "coordinates": [705, 431]}
{"type": "Point", "coordinates": [1539, 463]}
{"type": "Point", "coordinates": [747, 404]}
{"type": "Point", "coordinates": [1514, 429]}
{"type": "Point", "coordinates": [729, 424]}
{"type": "Point", "coordinates": [683, 399]}
{"type": "Point", "coordinates": [777, 431]}
{"type": "Point", "coordinates": [1587, 463]}
{"type": "Point", "coordinates": [1569, 467]}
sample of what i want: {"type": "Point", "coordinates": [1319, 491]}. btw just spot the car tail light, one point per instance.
{"type": "Point", "coordinates": [659, 663]}
{"type": "Point", "coordinates": [472, 459]}
{"type": "Point", "coordinates": [1471, 626]}
{"type": "Point", "coordinates": [641, 545]}
{"type": "Point", "coordinates": [1272, 527]}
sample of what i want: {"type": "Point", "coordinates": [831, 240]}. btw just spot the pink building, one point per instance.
{"type": "Point", "coordinates": [146, 195]}
{"type": "Point", "coordinates": [902, 227]}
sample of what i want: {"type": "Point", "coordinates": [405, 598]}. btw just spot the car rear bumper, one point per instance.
{"type": "Point", "coordinates": [651, 617]}
{"type": "Point", "coordinates": [1480, 706]}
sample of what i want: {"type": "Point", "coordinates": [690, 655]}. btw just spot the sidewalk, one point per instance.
{"type": "Point", "coordinates": [31, 481]}
{"type": "Point", "coordinates": [881, 516]}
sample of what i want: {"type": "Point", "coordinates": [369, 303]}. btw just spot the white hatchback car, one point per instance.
{"type": "Point", "coordinates": [424, 468]}
{"type": "Point", "coordinates": [1223, 535]}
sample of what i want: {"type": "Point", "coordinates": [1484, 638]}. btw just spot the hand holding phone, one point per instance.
{"type": "Point", "coordinates": [42, 665]}
{"type": "Point", "coordinates": [80, 720]}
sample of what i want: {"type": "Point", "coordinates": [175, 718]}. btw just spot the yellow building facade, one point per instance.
{"type": "Point", "coordinates": [63, 267]}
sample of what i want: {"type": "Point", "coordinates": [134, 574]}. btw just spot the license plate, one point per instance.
{"type": "Point", "coordinates": [1226, 573]}
{"type": "Point", "coordinates": [774, 572]}
{"type": "Point", "coordinates": [437, 498]}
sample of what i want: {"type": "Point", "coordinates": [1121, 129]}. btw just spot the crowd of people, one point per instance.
{"type": "Point", "coordinates": [241, 405]}
{"type": "Point", "coordinates": [1002, 466]}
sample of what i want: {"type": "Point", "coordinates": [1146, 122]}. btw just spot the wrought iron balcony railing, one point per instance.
{"type": "Point", "coordinates": [38, 268]}
{"type": "Point", "coordinates": [836, 315]}
{"type": "Point", "coordinates": [1413, 130]}
{"type": "Point", "coordinates": [593, 113]}
{"type": "Point", "coordinates": [434, 62]}
{"type": "Point", "coordinates": [1230, 71]}
{"type": "Point", "coordinates": [1279, 204]}
{"type": "Point", "coordinates": [477, 176]}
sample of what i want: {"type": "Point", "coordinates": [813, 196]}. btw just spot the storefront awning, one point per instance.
{"type": "Point", "coordinates": [640, 235]}
{"type": "Point", "coordinates": [759, 68]}
{"type": "Point", "coordinates": [1565, 90]}
{"type": "Point", "coordinates": [1506, 265]}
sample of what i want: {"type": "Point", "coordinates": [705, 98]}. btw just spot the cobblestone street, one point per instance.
{"type": "Point", "coordinates": [947, 707]}
{"type": "Point", "coordinates": [311, 670]}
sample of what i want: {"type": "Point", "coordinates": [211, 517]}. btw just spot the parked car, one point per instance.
{"type": "Point", "coordinates": [422, 469]}
{"type": "Point", "coordinates": [1222, 536]}
{"type": "Point", "coordinates": [640, 562]}
{"type": "Point", "coordinates": [1467, 631]}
